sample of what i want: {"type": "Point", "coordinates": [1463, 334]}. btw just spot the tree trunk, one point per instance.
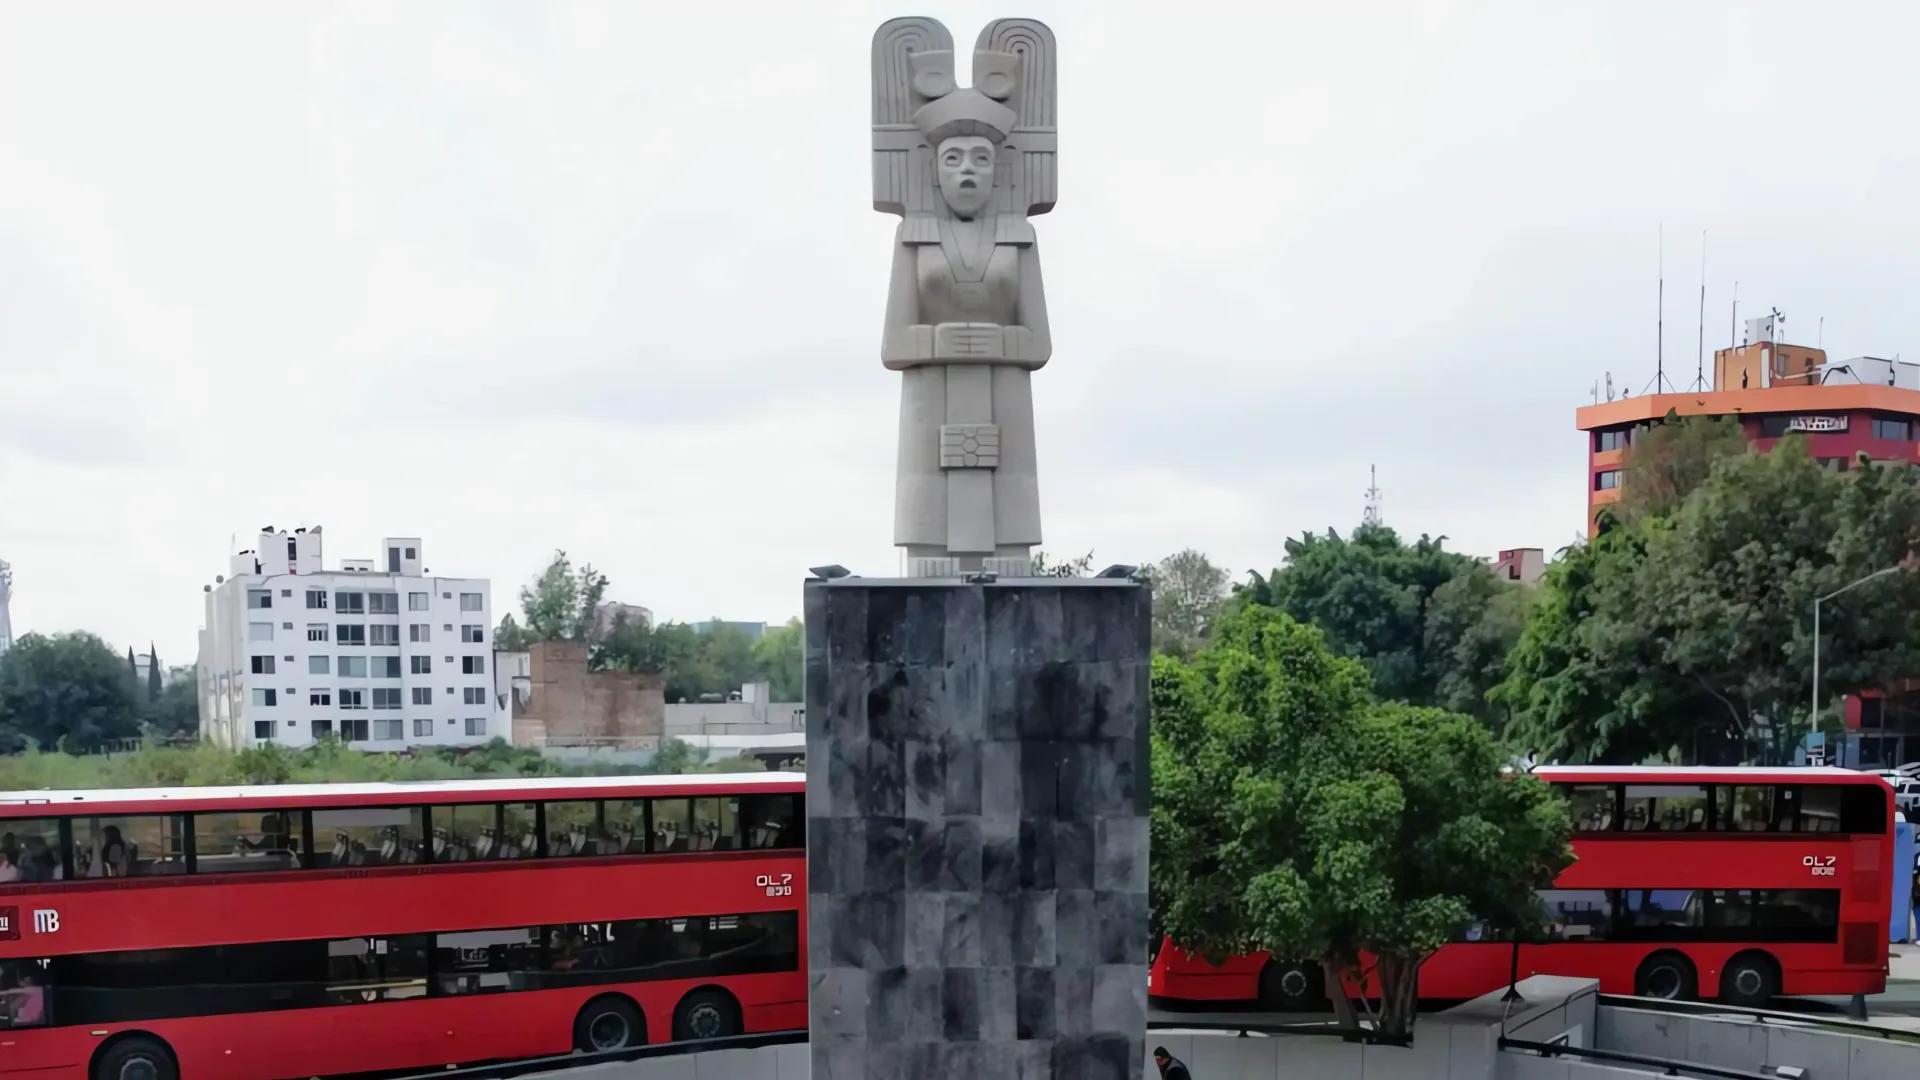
{"type": "Point", "coordinates": [1336, 979]}
{"type": "Point", "coordinates": [1399, 997]}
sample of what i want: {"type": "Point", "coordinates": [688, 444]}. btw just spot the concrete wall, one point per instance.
{"type": "Point", "coordinates": [569, 705]}
{"type": "Point", "coordinates": [789, 1062]}
{"type": "Point", "coordinates": [1740, 1043]}
{"type": "Point", "coordinates": [736, 718]}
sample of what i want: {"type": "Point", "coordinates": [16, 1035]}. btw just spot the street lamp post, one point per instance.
{"type": "Point", "coordinates": [1813, 714]}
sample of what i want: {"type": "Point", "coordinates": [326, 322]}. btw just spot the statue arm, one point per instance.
{"type": "Point", "coordinates": [1035, 345]}
{"type": "Point", "coordinates": [905, 342]}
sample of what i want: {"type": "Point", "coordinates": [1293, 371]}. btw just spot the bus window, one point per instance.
{"type": "Point", "coordinates": [1745, 808]}
{"type": "Point", "coordinates": [1863, 809]}
{"type": "Point", "coordinates": [247, 840]}
{"type": "Point", "coordinates": [141, 846]}
{"type": "Point", "coordinates": [485, 961]}
{"type": "Point", "coordinates": [1592, 806]}
{"type": "Point", "coordinates": [30, 851]}
{"type": "Point", "coordinates": [484, 831]}
{"type": "Point", "coordinates": [1666, 808]}
{"type": "Point", "coordinates": [716, 824]}
{"type": "Point", "coordinates": [626, 825]}
{"type": "Point", "coordinates": [1663, 914]}
{"type": "Point", "coordinates": [1776, 915]}
{"type": "Point", "coordinates": [772, 821]}
{"type": "Point", "coordinates": [368, 836]}
{"type": "Point", "coordinates": [376, 969]}
{"type": "Point", "coordinates": [672, 822]}
{"type": "Point", "coordinates": [1820, 808]}
{"type": "Point", "coordinates": [575, 828]}
{"type": "Point", "coordinates": [23, 994]}
{"type": "Point", "coordinates": [1578, 914]}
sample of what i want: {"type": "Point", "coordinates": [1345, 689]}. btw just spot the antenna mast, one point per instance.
{"type": "Point", "coordinates": [1700, 346]}
{"type": "Point", "coordinates": [1733, 318]}
{"type": "Point", "coordinates": [1371, 516]}
{"type": "Point", "coordinates": [1660, 331]}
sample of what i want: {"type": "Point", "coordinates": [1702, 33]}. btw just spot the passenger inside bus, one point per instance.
{"type": "Point", "coordinates": [23, 1000]}
{"type": "Point", "coordinates": [8, 871]}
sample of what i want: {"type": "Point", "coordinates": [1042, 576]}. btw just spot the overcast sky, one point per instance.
{"type": "Point", "coordinates": [515, 277]}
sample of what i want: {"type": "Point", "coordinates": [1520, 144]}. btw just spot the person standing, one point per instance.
{"type": "Point", "coordinates": [1171, 1067]}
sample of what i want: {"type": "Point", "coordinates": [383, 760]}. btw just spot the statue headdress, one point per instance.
{"type": "Point", "coordinates": [917, 103]}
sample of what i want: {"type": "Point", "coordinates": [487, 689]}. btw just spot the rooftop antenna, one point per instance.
{"type": "Point", "coordinates": [1660, 324]}
{"type": "Point", "coordinates": [1733, 319]}
{"type": "Point", "coordinates": [1700, 345]}
{"type": "Point", "coordinates": [1371, 515]}
{"type": "Point", "coordinates": [1609, 386]}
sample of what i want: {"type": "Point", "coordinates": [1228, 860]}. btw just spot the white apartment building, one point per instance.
{"type": "Point", "coordinates": [376, 652]}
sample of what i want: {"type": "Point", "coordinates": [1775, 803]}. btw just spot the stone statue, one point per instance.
{"type": "Point", "coordinates": [966, 323]}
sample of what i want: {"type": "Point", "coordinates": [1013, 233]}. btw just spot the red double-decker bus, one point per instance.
{"type": "Point", "coordinates": [1736, 884]}
{"type": "Point", "coordinates": [298, 931]}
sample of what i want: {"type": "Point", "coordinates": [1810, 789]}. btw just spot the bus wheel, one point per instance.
{"type": "Point", "coordinates": [1750, 981]}
{"type": "Point", "coordinates": [706, 1014]}
{"type": "Point", "coordinates": [135, 1057]}
{"type": "Point", "coordinates": [1667, 976]}
{"type": "Point", "coordinates": [1292, 987]}
{"type": "Point", "coordinates": [608, 1023]}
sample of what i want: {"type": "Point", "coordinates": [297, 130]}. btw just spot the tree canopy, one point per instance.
{"type": "Point", "coordinates": [1690, 634]}
{"type": "Point", "coordinates": [1188, 592]}
{"type": "Point", "coordinates": [67, 691]}
{"type": "Point", "coordinates": [1432, 626]}
{"type": "Point", "coordinates": [1294, 814]}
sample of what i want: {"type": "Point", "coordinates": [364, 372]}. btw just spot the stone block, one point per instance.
{"type": "Point", "coordinates": [977, 854]}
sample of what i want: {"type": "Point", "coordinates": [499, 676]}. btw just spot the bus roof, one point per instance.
{"type": "Point", "coordinates": [1704, 774]}
{"type": "Point", "coordinates": [24, 804]}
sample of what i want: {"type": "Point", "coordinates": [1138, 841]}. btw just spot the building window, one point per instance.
{"type": "Point", "coordinates": [422, 728]}
{"type": "Point", "coordinates": [1888, 427]}
{"type": "Point", "coordinates": [317, 599]}
{"type": "Point", "coordinates": [476, 725]}
{"type": "Point", "coordinates": [473, 635]}
{"type": "Point", "coordinates": [470, 601]}
{"type": "Point", "coordinates": [386, 698]}
{"type": "Point", "coordinates": [418, 601]}
{"type": "Point", "coordinates": [316, 631]}
{"type": "Point", "coordinates": [473, 665]}
{"type": "Point", "coordinates": [353, 699]}
{"type": "Point", "coordinates": [265, 695]}
{"type": "Point", "coordinates": [263, 729]}
{"type": "Point", "coordinates": [386, 667]}
{"type": "Point", "coordinates": [1607, 480]}
{"type": "Point", "coordinates": [474, 695]}
{"type": "Point", "coordinates": [260, 631]}
{"type": "Point", "coordinates": [350, 603]}
{"type": "Point", "coordinates": [320, 728]}
{"type": "Point", "coordinates": [259, 598]}
{"type": "Point", "coordinates": [263, 665]}
{"type": "Point", "coordinates": [352, 729]}
{"type": "Point", "coordinates": [420, 632]}
{"type": "Point", "coordinates": [320, 697]}
{"type": "Point", "coordinates": [388, 729]}
{"type": "Point", "coordinates": [1775, 427]}
{"type": "Point", "coordinates": [383, 635]}
{"type": "Point", "coordinates": [423, 695]}
{"type": "Point", "coordinates": [350, 633]}
{"type": "Point", "coordinates": [383, 603]}
{"type": "Point", "coordinates": [353, 667]}
{"type": "Point", "coordinates": [412, 553]}
{"type": "Point", "coordinates": [423, 665]}
{"type": "Point", "coordinates": [317, 665]}
{"type": "Point", "coordinates": [1614, 439]}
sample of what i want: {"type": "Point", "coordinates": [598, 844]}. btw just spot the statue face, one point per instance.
{"type": "Point", "coordinates": [966, 173]}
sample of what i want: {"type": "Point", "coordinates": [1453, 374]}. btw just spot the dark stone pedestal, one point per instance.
{"type": "Point", "coordinates": [977, 782]}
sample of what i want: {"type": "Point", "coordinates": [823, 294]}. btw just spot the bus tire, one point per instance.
{"type": "Point", "coordinates": [608, 1022]}
{"type": "Point", "coordinates": [1750, 981]}
{"type": "Point", "coordinates": [1292, 987]}
{"type": "Point", "coordinates": [1667, 976]}
{"type": "Point", "coordinates": [706, 1014]}
{"type": "Point", "coordinates": [134, 1057]}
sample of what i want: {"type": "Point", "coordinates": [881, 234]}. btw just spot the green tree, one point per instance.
{"type": "Point", "coordinates": [779, 658]}
{"type": "Point", "coordinates": [1294, 815]}
{"type": "Point", "coordinates": [67, 691]}
{"type": "Point", "coordinates": [562, 604]}
{"type": "Point", "coordinates": [1046, 567]}
{"type": "Point", "coordinates": [1691, 635]}
{"type": "Point", "coordinates": [1671, 459]}
{"type": "Point", "coordinates": [133, 665]}
{"type": "Point", "coordinates": [1396, 607]}
{"type": "Point", "coordinates": [153, 673]}
{"type": "Point", "coordinates": [175, 713]}
{"type": "Point", "coordinates": [1188, 592]}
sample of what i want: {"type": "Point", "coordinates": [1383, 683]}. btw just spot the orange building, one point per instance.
{"type": "Point", "coordinates": [1845, 408]}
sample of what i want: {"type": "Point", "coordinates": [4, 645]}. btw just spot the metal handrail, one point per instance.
{"type": "Point", "coordinates": [1667, 1066]}
{"type": "Point", "coordinates": [1774, 1016]}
